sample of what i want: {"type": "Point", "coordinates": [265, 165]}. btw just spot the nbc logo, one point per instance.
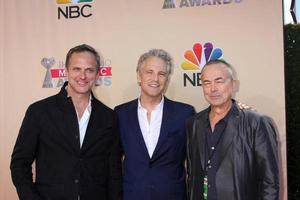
{"type": "Point", "coordinates": [196, 58]}
{"type": "Point", "coordinates": [72, 1]}
{"type": "Point", "coordinates": [77, 8]}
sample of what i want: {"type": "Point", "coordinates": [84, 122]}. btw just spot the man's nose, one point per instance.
{"type": "Point", "coordinates": [213, 87]}
{"type": "Point", "coordinates": [82, 74]}
{"type": "Point", "coordinates": [155, 76]}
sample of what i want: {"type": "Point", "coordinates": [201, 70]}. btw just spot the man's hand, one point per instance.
{"type": "Point", "coordinates": [244, 106]}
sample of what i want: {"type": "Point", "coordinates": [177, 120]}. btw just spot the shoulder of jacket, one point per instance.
{"type": "Point", "coordinates": [99, 106]}
{"type": "Point", "coordinates": [125, 106]}
{"type": "Point", "coordinates": [198, 116]}
{"type": "Point", "coordinates": [180, 105]}
{"type": "Point", "coordinates": [44, 103]}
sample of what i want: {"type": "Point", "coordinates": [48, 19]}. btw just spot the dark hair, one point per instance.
{"type": "Point", "coordinates": [83, 48]}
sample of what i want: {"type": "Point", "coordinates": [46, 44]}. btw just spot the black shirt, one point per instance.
{"type": "Point", "coordinates": [212, 159]}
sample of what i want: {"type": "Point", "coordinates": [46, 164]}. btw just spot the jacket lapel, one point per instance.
{"type": "Point", "coordinates": [97, 125]}
{"type": "Point", "coordinates": [168, 113]}
{"type": "Point", "coordinates": [230, 132]}
{"type": "Point", "coordinates": [199, 128]}
{"type": "Point", "coordinates": [72, 130]}
{"type": "Point", "coordinates": [93, 130]}
{"type": "Point", "coordinates": [135, 127]}
{"type": "Point", "coordinates": [68, 123]}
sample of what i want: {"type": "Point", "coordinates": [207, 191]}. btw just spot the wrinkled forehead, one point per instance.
{"type": "Point", "coordinates": [154, 63]}
{"type": "Point", "coordinates": [215, 71]}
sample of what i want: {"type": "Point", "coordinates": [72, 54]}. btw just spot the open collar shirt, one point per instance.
{"type": "Point", "coordinates": [150, 130]}
{"type": "Point", "coordinates": [84, 121]}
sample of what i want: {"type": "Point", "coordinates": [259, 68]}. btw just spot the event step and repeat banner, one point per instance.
{"type": "Point", "coordinates": [36, 35]}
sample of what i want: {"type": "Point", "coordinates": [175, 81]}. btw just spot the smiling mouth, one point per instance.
{"type": "Point", "coordinates": [80, 83]}
{"type": "Point", "coordinates": [214, 96]}
{"type": "Point", "coordinates": [154, 85]}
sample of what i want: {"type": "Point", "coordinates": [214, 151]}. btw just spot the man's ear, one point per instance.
{"type": "Point", "coordinates": [236, 86]}
{"type": "Point", "coordinates": [66, 73]}
{"type": "Point", "coordinates": [138, 77]}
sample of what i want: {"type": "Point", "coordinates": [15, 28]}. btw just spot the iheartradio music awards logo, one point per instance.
{"type": "Point", "coordinates": [195, 59]}
{"type": "Point", "coordinates": [56, 76]}
{"type": "Point", "coordinates": [171, 4]}
{"type": "Point", "coordinates": [69, 9]}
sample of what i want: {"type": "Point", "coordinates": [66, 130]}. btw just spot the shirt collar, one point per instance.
{"type": "Point", "coordinates": [90, 99]}
{"type": "Point", "coordinates": [226, 117]}
{"type": "Point", "coordinates": [157, 107]}
{"type": "Point", "coordinates": [89, 107]}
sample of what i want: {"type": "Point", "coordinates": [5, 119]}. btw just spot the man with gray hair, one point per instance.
{"type": "Point", "coordinates": [152, 130]}
{"type": "Point", "coordinates": [232, 152]}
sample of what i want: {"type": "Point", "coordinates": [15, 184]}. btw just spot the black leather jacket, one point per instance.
{"type": "Point", "coordinates": [248, 168]}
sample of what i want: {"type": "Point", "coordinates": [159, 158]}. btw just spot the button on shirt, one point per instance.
{"type": "Point", "coordinates": [83, 121]}
{"type": "Point", "coordinates": [150, 130]}
{"type": "Point", "coordinates": [212, 152]}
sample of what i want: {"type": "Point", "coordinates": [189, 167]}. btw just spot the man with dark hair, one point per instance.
{"type": "Point", "coordinates": [232, 152]}
{"type": "Point", "coordinates": [73, 139]}
{"type": "Point", "coordinates": [152, 130]}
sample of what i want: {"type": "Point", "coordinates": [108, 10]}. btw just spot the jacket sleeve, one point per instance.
{"type": "Point", "coordinates": [194, 190]}
{"type": "Point", "coordinates": [267, 160]}
{"type": "Point", "coordinates": [188, 158]}
{"type": "Point", "coordinates": [188, 122]}
{"type": "Point", "coordinates": [189, 131]}
{"type": "Point", "coordinates": [115, 166]}
{"type": "Point", "coordinates": [23, 156]}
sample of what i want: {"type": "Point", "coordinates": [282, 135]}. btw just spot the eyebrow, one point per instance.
{"type": "Point", "coordinates": [216, 79]}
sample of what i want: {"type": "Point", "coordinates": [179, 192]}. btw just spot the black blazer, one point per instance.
{"type": "Point", "coordinates": [248, 166]}
{"type": "Point", "coordinates": [49, 135]}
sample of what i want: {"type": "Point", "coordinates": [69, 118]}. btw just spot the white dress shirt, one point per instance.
{"type": "Point", "coordinates": [83, 121]}
{"type": "Point", "coordinates": [150, 130]}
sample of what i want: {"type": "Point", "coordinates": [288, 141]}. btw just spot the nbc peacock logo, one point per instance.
{"type": "Point", "coordinates": [72, 1]}
{"type": "Point", "coordinates": [200, 55]}
{"type": "Point", "coordinates": [195, 59]}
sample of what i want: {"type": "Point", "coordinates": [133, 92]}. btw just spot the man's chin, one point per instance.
{"type": "Point", "coordinates": [215, 103]}
{"type": "Point", "coordinates": [83, 91]}
{"type": "Point", "coordinates": [154, 95]}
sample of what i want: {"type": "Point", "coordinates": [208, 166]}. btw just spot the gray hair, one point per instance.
{"type": "Point", "coordinates": [159, 53]}
{"type": "Point", "coordinates": [231, 72]}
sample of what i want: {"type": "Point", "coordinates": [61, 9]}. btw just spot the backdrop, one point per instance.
{"type": "Point", "coordinates": [36, 35]}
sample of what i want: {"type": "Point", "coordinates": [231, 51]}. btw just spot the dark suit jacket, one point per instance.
{"type": "Point", "coordinates": [49, 135]}
{"type": "Point", "coordinates": [248, 168]}
{"type": "Point", "coordinates": [161, 177]}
